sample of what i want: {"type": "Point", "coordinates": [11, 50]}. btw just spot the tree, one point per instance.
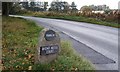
{"type": "Point", "coordinates": [45, 5]}
{"type": "Point", "coordinates": [25, 5]}
{"type": "Point", "coordinates": [6, 6]}
{"type": "Point", "coordinates": [73, 8]}
{"type": "Point", "coordinates": [59, 7]}
{"type": "Point", "coordinates": [66, 7]}
{"type": "Point", "coordinates": [73, 5]}
{"type": "Point", "coordinates": [32, 4]}
{"type": "Point", "coordinates": [99, 7]}
{"type": "Point", "coordinates": [16, 8]}
{"type": "Point", "coordinates": [86, 10]}
{"type": "Point", "coordinates": [107, 11]}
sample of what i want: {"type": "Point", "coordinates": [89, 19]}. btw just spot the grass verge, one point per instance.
{"type": "Point", "coordinates": [84, 19]}
{"type": "Point", "coordinates": [73, 18]}
{"type": "Point", "coordinates": [67, 60]}
{"type": "Point", "coordinates": [19, 42]}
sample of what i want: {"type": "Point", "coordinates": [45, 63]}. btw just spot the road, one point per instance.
{"type": "Point", "coordinates": [99, 44]}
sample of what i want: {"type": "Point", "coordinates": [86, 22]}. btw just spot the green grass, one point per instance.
{"type": "Point", "coordinates": [67, 60]}
{"type": "Point", "coordinates": [73, 18]}
{"type": "Point", "coordinates": [19, 42]}
{"type": "Point", "coordinates": [84, 19]}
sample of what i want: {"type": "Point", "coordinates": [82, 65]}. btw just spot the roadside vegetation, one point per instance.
{"type": "Point", "coordinates": [100, 19]}
{"type": "Point", "coordinates": [19, 42]}
{"type": "Point", "coordinates": [63, 10]}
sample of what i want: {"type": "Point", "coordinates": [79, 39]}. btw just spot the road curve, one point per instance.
{"type": "Point", "coordinates": [102, 39]}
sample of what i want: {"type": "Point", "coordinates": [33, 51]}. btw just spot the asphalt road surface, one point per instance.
{"type": "Point", "coordinates": [98, 44]}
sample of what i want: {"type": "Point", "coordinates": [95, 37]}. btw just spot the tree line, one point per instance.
{"type": "Point", "coordinates": [60, 7]}
{"type": "Point", "coordinates": [18, 7]}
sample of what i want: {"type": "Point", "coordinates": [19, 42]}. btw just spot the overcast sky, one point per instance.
{"type": "Point", "coordinates": [113, 4]}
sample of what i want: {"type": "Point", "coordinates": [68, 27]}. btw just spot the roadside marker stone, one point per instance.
{"type": "Point", "coordinates": [48, 47]}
